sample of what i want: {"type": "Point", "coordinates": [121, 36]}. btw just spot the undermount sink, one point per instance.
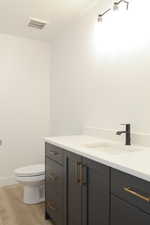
{"type": "Point", "coordinates": [99, 145]}
{"type": "Point", "coordinates": [112, 147]}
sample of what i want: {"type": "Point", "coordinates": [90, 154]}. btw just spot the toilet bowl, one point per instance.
{"type": "Point", "coordinates": [32, 178]}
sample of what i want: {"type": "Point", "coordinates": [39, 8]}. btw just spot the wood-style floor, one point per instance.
{"type": "Point", "coordinates": [14, 212]}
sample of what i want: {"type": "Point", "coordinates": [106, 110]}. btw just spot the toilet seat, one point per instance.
{"type": "Point", "coordinates": [30, 171]}
{"type": "Point", "coordinates": [30, 179]}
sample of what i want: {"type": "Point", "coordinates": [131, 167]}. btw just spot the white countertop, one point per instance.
{"type": "Point", "coordinates": [136, 162]}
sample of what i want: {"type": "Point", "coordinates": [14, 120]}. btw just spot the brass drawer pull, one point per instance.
{"type": "Point", "coordinates": [53, 153]}
{"type": "Point", "coordinates": [85, 172]}
{"type": "Point", "coordinates": [50, 206]}
{"type": "Point", "coordinates": [77, 180]}
{"type": "Point", "coordinates": [128, 189]}
{"type": "Point", "coordinates": [83, 175]}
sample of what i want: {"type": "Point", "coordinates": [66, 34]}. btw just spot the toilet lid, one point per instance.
{"type": "Point", "coordinates": [32, 170]}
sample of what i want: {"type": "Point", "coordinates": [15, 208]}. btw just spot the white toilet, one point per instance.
{"type": "Point", "coordinates": [32, 178]}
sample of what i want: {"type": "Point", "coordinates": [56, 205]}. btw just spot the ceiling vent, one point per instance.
{"type": "Point", "coordinates": [37, 24]}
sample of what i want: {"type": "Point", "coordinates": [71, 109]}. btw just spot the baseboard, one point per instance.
{"type": "Point", "coordinates": [5, 181]}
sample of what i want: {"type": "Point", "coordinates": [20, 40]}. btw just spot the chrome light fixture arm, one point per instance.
{"type": "Point", "coordinates": [100, 16]}
{"type": "Point", "coordinates": [116, 4]}
{"type": "Point", "coordinates": [115, 7]}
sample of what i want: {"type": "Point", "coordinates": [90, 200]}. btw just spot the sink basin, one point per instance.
{"type": "Point", "coordinates": [99, 145]}
{"type": "Point", "coordinates": [111, 147]}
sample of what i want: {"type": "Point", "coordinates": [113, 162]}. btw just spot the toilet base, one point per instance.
{"type": "Point", "coordinates": [33, 194]}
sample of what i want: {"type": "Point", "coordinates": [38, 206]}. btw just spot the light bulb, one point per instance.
{"type": "Point", "coordinates": [115, 6]}
{"type": "Point", "coordinates": [100, 19]}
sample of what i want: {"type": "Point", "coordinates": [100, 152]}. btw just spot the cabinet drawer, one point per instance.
{"type": "Point", "coordinates": [124, 214]}
{"type": "Point", "coordinates": [55, 153]}
{"type": "Point", "coordinates": [132, 189]}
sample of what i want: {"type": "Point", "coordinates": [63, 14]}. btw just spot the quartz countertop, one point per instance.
{"type": "Point", "coordinates": [134, 160]}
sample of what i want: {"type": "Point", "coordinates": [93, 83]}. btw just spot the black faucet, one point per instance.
{"type": "Point", "coordinates": [127, 131]}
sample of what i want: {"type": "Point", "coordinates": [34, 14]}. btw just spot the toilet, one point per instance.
{"type": "Point", "coordinates": [32, 178]}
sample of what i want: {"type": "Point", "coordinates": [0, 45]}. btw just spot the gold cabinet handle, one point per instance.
{"type": "Point", "coordinates": [129, 190]}
{"type": "Point", "coordinates": [76, 167]}
{"type": "Point", "coordinates": [50, 206]}
{"type": "Point", "coordinates": [83, 174]}
{"type": "Point", "coordinates": [79, 173]}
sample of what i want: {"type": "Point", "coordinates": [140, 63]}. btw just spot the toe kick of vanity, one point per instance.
{"type": "Point", "coordinates": [81, 191]}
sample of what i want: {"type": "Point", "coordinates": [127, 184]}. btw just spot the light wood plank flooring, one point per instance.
{"type": "Point", "coordinates": [14, 212]}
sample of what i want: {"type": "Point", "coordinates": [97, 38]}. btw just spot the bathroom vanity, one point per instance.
{"type": "Point", "coordinates": [83, 189]}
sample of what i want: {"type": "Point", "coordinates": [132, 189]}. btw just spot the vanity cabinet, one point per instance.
{"type": "Point", "coordinates": [123, 213]}
{"type": "Point", "coordinates": [55, 185]}
{"type": "Point", "coordinates": [130, 199]}
{"type": "Point", "coordinates": [80, 191]}
{"type": "Point", "coordinates": [96, 192]}
{"type": "Point", "coordinates": [74, 190]}
{"type": "Point", "coordinates": [131, 189]}
{"type": "Point", "coordinates": [88, 192]}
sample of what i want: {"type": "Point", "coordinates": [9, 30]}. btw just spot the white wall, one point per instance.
{"type": "Point", "coordinates": [101, 75]}
{"type": "Point", "coordinates": [24, 103]}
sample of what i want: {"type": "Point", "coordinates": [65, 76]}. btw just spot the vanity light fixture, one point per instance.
{"type": "Point", "coordinates": [100, 16]}
{"type": "Point", "coordinates": [116, 5]}
{"type": "Point", "coordinates": [115, 8]}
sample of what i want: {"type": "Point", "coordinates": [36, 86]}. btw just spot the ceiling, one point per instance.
{"type": "Point", "coordinates": [15, 14]}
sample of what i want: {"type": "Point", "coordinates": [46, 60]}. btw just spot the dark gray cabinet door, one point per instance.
{"type": "Point", "coordinates": [55, 192]}
{"type": "Point", "coordinates": [74, 190]}
{"type": "Point", "coordinates": [124, 214]}
{"type": "Point", "coordinates": [95, 193]}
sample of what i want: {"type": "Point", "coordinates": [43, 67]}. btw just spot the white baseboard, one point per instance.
{"type": "Point", "coordinates": [5, 181]}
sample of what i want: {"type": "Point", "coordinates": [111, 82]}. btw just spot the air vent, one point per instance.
{"type": "Point", "coordinates": [37, 24]}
